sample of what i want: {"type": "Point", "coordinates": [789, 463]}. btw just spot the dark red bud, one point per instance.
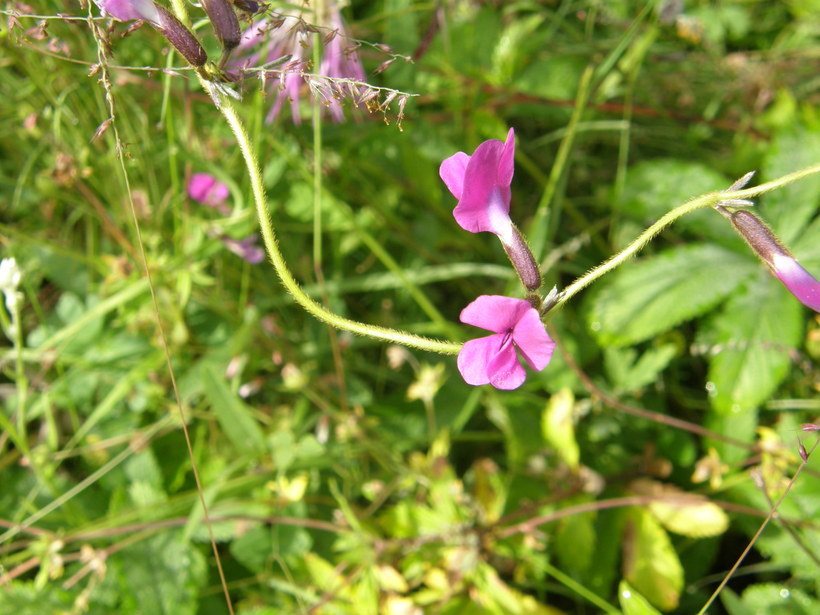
{"type": "Point", "coordinates": [523, 261]}
{"type": "Point", "coordinates": [180, 37]}
{"type": "Point", "coordinates": [759, 237]}
{"type": "Point", "coordinates": [224, 22]}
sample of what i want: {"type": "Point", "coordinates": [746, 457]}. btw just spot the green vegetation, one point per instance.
{"type": "Point", "coordinates": [180, 436]}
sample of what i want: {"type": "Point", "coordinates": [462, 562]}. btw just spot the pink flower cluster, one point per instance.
{"type": "Point", "coordinates": [481, 183]}
{"type": "Point", "coordinates": [288, 36]}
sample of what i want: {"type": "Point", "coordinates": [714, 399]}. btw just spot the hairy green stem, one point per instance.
{"type": "Point", "coordinates": [706, 200]}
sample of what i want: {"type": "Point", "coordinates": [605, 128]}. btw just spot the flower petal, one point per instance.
{"type": "Point", "coordinates": [799, 281]}
{"type": "Point", "coordinates": [128, 10]}
{"type": "Point", "coordinates": [504, 369]}
{"type": "Point", "coordinates": [533, 341]}
{"type": "Point", "coordinates": [484, 204]}
{"type": "Point", "coordinates": [495, 313]}
{"type": "Point", "coordinates": [506, 164]}
{"type": "Point", "coordinates": [452, 172]}
{"type": "Point", "coordinates": [206, 189]}
{"type": "Point", "coordinates": [474, 357]}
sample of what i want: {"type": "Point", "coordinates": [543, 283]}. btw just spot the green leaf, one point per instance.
{"type": "Point", "coordinates": [654, 186]}
{"type": "Point", "coordinates": [651, 564]}
{"type": "Point", "coordinates": [771, 599]}
{"type": "Point", "coordinates": [752, 339]}
{"type": "Point", "coordinates": [789, 209]}
{"type": "Point", "coordinates": [234, 416]}
{"type": "Point", "coordinates": [162, 575]}
{"type": "Point", "coordinates": [633, 603]}
{"type": "Point", "coordinates": [260, 546]}
{"type": "Point", "coordinates": [575, 543]}
{"type": "Point", "coordinates": [24, 598]}
{"type": "Point", "coordinates": [558, 427]}
{"type": "Point", "coordinates": [630, 375]}
{"type": "Point", "coordinates": [662, 291]}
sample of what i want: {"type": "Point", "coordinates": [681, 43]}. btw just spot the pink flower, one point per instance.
{"type": "Point", "coordinates": [288, 35]}
{"type": "Point", "coordinates": [799, 281]}
{"type": "Point", "coordinates": [481, 183]}
{"type": "Point", "coordinates": [246, 249]}
{"type": "Point", "coordinates": [517, 329]}
{"type": "Point", "coordinates": [206, 189]}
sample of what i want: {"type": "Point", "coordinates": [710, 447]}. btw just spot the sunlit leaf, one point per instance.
{"type": "Point", "coordinates": [651, 564]}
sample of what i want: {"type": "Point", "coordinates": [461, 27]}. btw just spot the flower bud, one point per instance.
{"type": "Point", "coordinates": [249, 6]}
{"type": "Point", "coordinates": [224, 22]}
{"type": "Point", "coordinates": [180, 37]}
{"type": "Point", "coordinates": [522, 259]}
{"type": "Point", "coordinates": [760, 238]}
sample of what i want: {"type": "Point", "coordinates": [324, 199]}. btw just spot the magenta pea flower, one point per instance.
{"type": "Point", "coordinates": [206, 189]}
{"type": "Point", "coordinates": [481, 183]}
{"type": "Point", "coordinates": [517, 329]}
{"type": "Point", "coordinates": [287, 35]}
{"type": "Point", "coordinates": [246, 248]}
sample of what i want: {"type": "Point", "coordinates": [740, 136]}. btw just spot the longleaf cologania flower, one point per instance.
{"type": "Point", "coordinates": [288, 35]}
{"type": "Point", "coordinates": [517, 329]}
{"type": "Point", "coordinates": [481, 183]}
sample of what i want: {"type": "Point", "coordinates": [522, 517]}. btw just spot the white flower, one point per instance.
{"type": "Point", "coordinates": [10, 275]}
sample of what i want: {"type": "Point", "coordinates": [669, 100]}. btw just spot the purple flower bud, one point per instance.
{"type": "Point", "coordinates": [224, 22]}
{"type": "Point", "coordinates": [522, 260]}
{"type": "Point", "coordinates": [782, 264]}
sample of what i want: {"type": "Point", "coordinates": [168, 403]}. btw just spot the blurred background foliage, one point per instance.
{"type": "Point", "coordinates": [343, 476]}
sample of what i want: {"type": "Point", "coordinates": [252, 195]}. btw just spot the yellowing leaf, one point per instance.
{"type": "Point", "coordinates": [683, 513]}
{"type": "Point", "coordinates": [632, 603]}
{"type": "Point", "coordinates": [651, 565]}
{"type": "Point", "coordinates": [558, 427]}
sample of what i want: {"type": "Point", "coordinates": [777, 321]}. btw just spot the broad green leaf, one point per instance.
{"type": "Point", "coordinates": [575, 543]}
{"type": "Point", "coordinates": [651, 564]}
{"type": "Point", "coordinates": [752, 340]}
{"type": "Point", "coordinates": [161, 575]}
{"type": "Point", "coordinates": [655, 186]}
{"type": "Point", "coordinates": [772, 599]}
{"type": "Point", "coordinates": [234, 416]}
{"type": "Point", "coordinates": [24, 598]}
{"type": "Point", "coordinates": [260, 546]}
{"type": "Point", "coordinates": [558, 427]}
{"type": "Point", "coordinates": [629, 374]}
{"type": "Point", "coordinates": [633, 603]}
{"type": "Point", "coordinates": [789, 209]}
{"type": "Point", "coordinates": [660, 292]}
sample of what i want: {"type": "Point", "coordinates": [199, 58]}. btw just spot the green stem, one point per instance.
{"type": "Point", "coordinates": [289, 282]}
{"type": "Point", "coordinates": [706, 200]}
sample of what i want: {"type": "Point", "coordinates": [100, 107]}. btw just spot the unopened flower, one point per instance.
{"type": "Point", "coordinates": [163, 21]}
{"type": "Point", "coordinates": [517, 329]}
{"type": "Point", "coordinates": [481, 183]}
{"type": "Point", "coordinates": [287, 35]}
{"type": "Point", "coordinates": [206, 189]}
{"type": "Point", "coordinates": [782, 264]}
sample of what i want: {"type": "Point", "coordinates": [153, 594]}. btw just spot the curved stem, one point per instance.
{"type": "Point", "coordinates": [289, 282]}
{"type": "Point", "coordinates": [706, 200]}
